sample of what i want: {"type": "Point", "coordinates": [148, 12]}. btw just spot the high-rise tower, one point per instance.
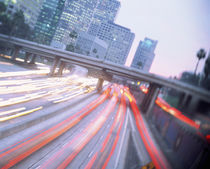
{"type": "Point", "coordinates": [119, 40]}
{"type": "Point", "coordinates": [144, 54]}
{"type": "Point", "coordinates": [76, 16]}
{"type": "Point", "coordinates": [48, 20]}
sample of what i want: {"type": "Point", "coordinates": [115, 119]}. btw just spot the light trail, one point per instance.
{"type": "Point", "coordinates": [156, 155]}
{"type": "Point", "coordinates": [14, 82]}
{"type": "Point", "coordinates": [176, 113]}
{"type": "Point", "coordinates": [12, 111]}
{"type": "Point", "coordinates": [20, 114]}
{"type": "Point", "coordinates": [83, 138]}
{"type": "Point", "coordinates": [20, 151]}
{"type": "Point", "coordinates": [23, 99]}
{"type": "Point", "coordinates": [24, 73]}
{"type": "Point", "coordinates": [102, 157]}
{"type": "Point", "coordinates": [69, 97]}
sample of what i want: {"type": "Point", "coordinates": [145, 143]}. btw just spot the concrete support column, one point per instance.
{"type": "Point", "coordinates": [149, 98]}
{"type": "Point", "coordinates": [33, 59]}
{"type": "Point", "coordinates": [99, 84]}
{"type": "Point", "coordinates": [185, 102]}
{"type": "Point", "coordinates": [61, 67]}
{"type": "Point", "coordinates": [15, 52]}
{"type": "Point", "coordinates": [27, 55]}
{"type": "Point", "coordinates": [192, 104]}
{"type": "Point", "coordinates": [182, 97]}
{"type": "Point", "coordinates": [54, 65]}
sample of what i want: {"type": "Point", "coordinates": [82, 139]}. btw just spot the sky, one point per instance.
{"type": "Point", "coordinates": [181, 27]}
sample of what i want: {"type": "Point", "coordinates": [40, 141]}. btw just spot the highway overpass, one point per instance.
{"type": "Point", "coordinates": [104, 70]}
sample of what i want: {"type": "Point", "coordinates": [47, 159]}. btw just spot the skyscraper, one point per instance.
{"type": "Point", "coordinates": [144, 55]}
{"type": "Point", "coordinates": [105, 11]}
{"type": "Point", "coordinates": [77, 16]}
{"type": "Point", "coordinates": [30, 8]}
{"type": "Point", "coordinates": [119, 40]}
{"type": "Point", "coordinates": [48, 20]}
{"type": "Point", "coordinates": [85, 16]}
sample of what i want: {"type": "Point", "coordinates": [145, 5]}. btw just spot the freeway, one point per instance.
{"type": "Point", "coordinates": [62, 122]}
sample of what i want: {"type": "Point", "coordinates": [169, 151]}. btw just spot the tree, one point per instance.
{"type": "Point", "coordinates": [87, 53]}
{"type": "Point", "coordinates": [94, 50]}
{"type": "Point", "coordinates": [5, 20]}
{"type": "Point", "coordinates": [14, 25]}
{"type": "Point", "coordinates": [20, 29]}
{"type": "Point", "coordinates": [73, 34]}
{"type": "Point", "coordinates": [140, 64]}
{"type": "Point", "coordinates": [70, 47]}
{"type": "Point", "coordinates": [200, 55]}
{"type": "Point", "coordinates": [2, 7]}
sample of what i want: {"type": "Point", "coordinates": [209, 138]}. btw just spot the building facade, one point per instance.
{"type": "Point", "coordinates": [119, 40]}
{"type": "Point", "coordinates": [47, 21]}
{"type": "Point", "coordinates": [76, 16]}
{"type": "Point", "coordinates": [106, 11]}
{"type": "Point", "coordinates": [85, 16]}
{"type": "Point", "coordinates": [30, 8]}
{"type": "Point", "coordinates": [144, 55]}
{"type": "Point", "coordinates": [91, 45]}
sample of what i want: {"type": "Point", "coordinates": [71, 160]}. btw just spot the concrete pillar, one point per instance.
{"type": "Point", "coordinates": [33, 59]}
{"type": "Point", "coordinates": [54, 65]}
{"type": "Point", "coordinates": [61, 67]}
{"type": "Point", "coordinates": [27, 55]}
{"type": "Point", "coordinates": [181, 99]}
{"type": "Point", "coordinates": [192, 105]}
{"type": "Point", "coordinates": [99, 84]}
{"type": "Point", "coordinates": [149, 98]}
{"type": "Point", "coordinates": [152, 102]}
{"type": "Point", "coordinates": [15, 52]}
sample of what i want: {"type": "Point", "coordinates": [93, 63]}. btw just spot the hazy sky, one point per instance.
{"type": "Point", "coordinates": [181, 27]}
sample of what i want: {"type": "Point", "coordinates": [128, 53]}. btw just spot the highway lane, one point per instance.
{"type": "Point", "coordinates": [87, 130]}
{"type": "Point", "coordinates": [54, 91]}
{"type": "Point", "coordinates": [25, 149]}
{"type": "Point", "coordinates": [90, 122]}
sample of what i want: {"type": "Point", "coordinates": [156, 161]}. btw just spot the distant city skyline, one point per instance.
{"type": "Point", "coordinates": [181, 28]}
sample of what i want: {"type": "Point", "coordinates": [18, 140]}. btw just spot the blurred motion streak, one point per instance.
{"type": "Point", "coordinates": [102, 157]}
{"type": "Point", "coordinates": [156, 155]}
{"type": "Point", "coordinates": [83, 138]}
{"type": "Point", "coordinates": [20, 114]}
{"type": "Point", "coordinates": [20, 151]}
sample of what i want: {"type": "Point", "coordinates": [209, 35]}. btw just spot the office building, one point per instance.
{"type": "Point", "coordinates": [47, 21]}
{"type": "Point", "coordinates": [106, 11]}
{"type": "Point", "coordinates": [119, 40]}
{"type": "Point", "coordinates": [144, 55]}
{"type": "Point", "coordinates": [76, 16]}
{"type": "Point", "coordinates": [85, 16]}
{"type": "Point", "coordinates": [91, 45]}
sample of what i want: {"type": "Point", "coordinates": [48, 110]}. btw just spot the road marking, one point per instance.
{"type": "Point", "coordinates": [132, 125]}
{"type": "Point", "coordinates": [101, 137]}
{"type": "Point", "coordinates": [90, 154]}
